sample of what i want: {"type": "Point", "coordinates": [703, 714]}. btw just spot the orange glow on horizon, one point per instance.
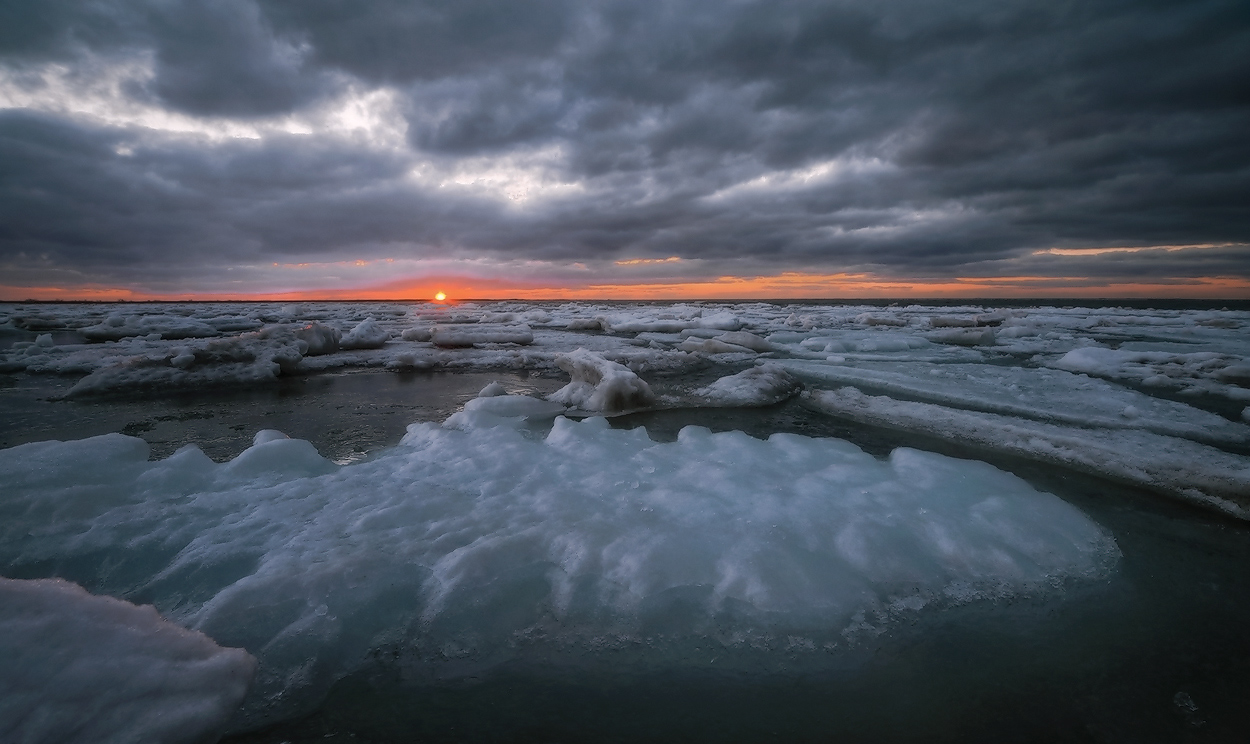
{"type": "Point", "coordinates": [791, 285]}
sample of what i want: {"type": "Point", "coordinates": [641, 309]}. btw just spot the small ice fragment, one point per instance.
{"type": "Point", "coordinates": [320, 339]}
{"type": "Point", "coordinates": [963, 336]}
{"type": "Point", "coordinates": [758, 386]}
{"type": "Point", "coordinates": [453, 337]}
{"type": "Point", "coordinates": [724, 321]}
{"type": "Point", "coordinates": [494, 389]}
{"type": "Point", "coordinates": [367, 335]}
{"type": "Point", "coordinates": [267, 435]}
{"type": "Point", "coordinates": [880, 320]}
{"type": "Point", "coordinates": [712, 346]}
{"type": "Point", "coordinates": [183, 359]}
{"type": "Point", "coordinates": [600, 385]}
{"type": "Point", "coordinates": [514, 405]}
{"type": "Point", "coordinates": [748, 340]}
{"type": "Point", "coordinates": [1184, 701]}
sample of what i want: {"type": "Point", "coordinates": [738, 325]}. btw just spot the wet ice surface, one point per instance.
{"type": "Point", "coordinates": [499, 576]}
{"type": "Point", "coordinates": [86, 669]}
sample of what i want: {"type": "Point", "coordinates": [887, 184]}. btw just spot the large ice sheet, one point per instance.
{"type": "Point", "coordinates": [82, 669]}
{"type": "Point", "coordinates": [465, 547]}
{"type": "Point", "coordinates": [1187, 371]}
{"type": "Point", "coordinates": [1051, 395]}
{"type": "Point", "coordinates": [1184, 469]}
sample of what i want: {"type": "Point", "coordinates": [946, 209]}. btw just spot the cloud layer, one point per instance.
{"type": "Point", "coordinates": [180, 146]}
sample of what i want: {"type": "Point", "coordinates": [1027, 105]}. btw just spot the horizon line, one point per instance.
{"type": "Point", "coordinates": [773, 300]}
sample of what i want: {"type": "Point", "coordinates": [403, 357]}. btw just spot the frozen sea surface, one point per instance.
{"type": "Point", "coordinates": [637, 521]}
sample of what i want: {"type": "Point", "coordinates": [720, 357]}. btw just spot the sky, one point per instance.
{"type": "Point", "coordinates": [624, 149]}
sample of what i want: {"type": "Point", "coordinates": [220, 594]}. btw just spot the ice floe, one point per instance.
{"type": "Point", "coordinates": [1193, 372]}
{"type": "Point", "coordinates": [1050, 395]}
{"type": "Point", "coordinates": [478, 334]}
{"type": "Point", "coordinates": [368, 334]}
{"type": "Point", "coordinates": [600, 384]}
{"type": "Point", "coordinates": [486, 542]}
{"type": "Point", "coordinates": [758, 386]}
{"type": "Point", "coordinates": [1181, 468]}
{"type": "Point", "coordinates": [82, 669]}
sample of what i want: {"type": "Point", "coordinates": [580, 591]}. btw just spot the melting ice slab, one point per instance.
{"type": "Point", "coordinates": [81, 668]}
{"type": "Point", "coordinates": [465, 547]}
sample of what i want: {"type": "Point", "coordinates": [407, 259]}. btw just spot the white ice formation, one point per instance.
{"type": "Point", "coordinates": [457, 336]}
{"type": "Point", "coordinates": [83, 669]}
{"type": "Point", "coordinates": [486, 540]}
{"type": "Point", "coordinates": [600, 384]}
{"type": "Point", "coordinates": [759, 386]}
{"type": "Point", "coordinates": [1197, 473]}
{"type": "Point", "coordinates": [369, 334]}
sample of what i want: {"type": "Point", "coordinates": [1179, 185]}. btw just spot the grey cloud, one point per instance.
{"type": "Point", "coordinates": [999, 128]}
{"type": "Point", "coordinates": [223, 59]}
{"type": "Point", "coordinates": [1159, 265]}
{"type": "Point", "coordinates": [485, 115]}
{"type": "Point", "coordinates": [395, 41]}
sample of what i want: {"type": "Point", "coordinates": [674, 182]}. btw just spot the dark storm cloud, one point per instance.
{"type": "Point", "coordinates": [902, 137]}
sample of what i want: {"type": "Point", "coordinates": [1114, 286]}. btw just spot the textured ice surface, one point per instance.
{"type": "Point", "coordinates": [369, 334]}
{"type": "Point", "coordinates": [465, 547]}
{"type": "Point", "coordinates": [600, 384]}
{"type": "Point", "coordinates": [1050, 395]}
{"type": "Point", "coordinates": [82, 669]}
{"type": "Point", "coordinates": [493, 408]}
{"type": "Point", "coordinates": [758, 386]}
{"type": "Point", "coordinates": [478, 334]}
{"type": "Point", "coordinates": [1185, 469]}
{"type": "Point", "coordinates": [1187, 371]}
{"type": "Point", "coordinates": [1085, 370]}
